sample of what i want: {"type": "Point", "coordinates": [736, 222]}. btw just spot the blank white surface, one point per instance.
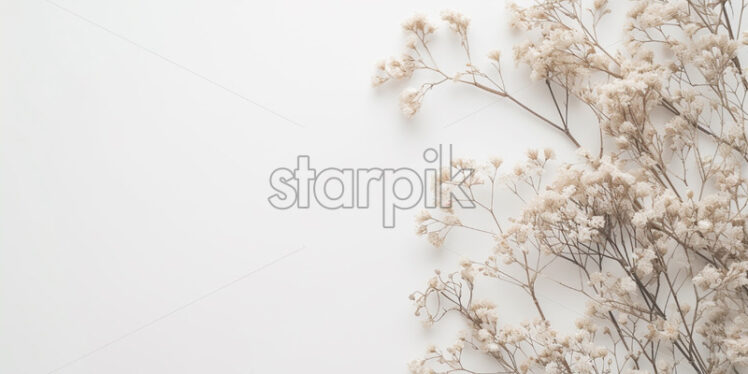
{"type": "Point", "coordinates": [131, 187]}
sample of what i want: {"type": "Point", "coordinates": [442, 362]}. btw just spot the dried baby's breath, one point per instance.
{"type": "Point", "coordinates": [654, 219]}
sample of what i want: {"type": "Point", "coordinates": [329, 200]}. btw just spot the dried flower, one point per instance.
{"type": "Point", "coordinates": [654, 219]}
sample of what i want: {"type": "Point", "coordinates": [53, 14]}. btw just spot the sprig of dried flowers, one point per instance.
{"type": "Point", "coordinates": [654, 221]}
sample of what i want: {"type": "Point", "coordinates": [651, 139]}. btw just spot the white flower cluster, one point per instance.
{"type": "Point", "coordinates": [655, 220]}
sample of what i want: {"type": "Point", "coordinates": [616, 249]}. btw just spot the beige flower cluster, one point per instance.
{"type": "Point", "coordinates": [653, 217]}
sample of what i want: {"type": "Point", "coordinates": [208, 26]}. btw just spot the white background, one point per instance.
{"type": "Point", "coordinates": [136, 142]}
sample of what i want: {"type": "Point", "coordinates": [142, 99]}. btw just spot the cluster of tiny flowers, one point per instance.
{"type": "Point", "coordinates": [653, 217]}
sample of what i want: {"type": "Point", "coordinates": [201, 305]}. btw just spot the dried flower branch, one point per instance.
{"type": "Point", "coordinates": [654, 222]}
